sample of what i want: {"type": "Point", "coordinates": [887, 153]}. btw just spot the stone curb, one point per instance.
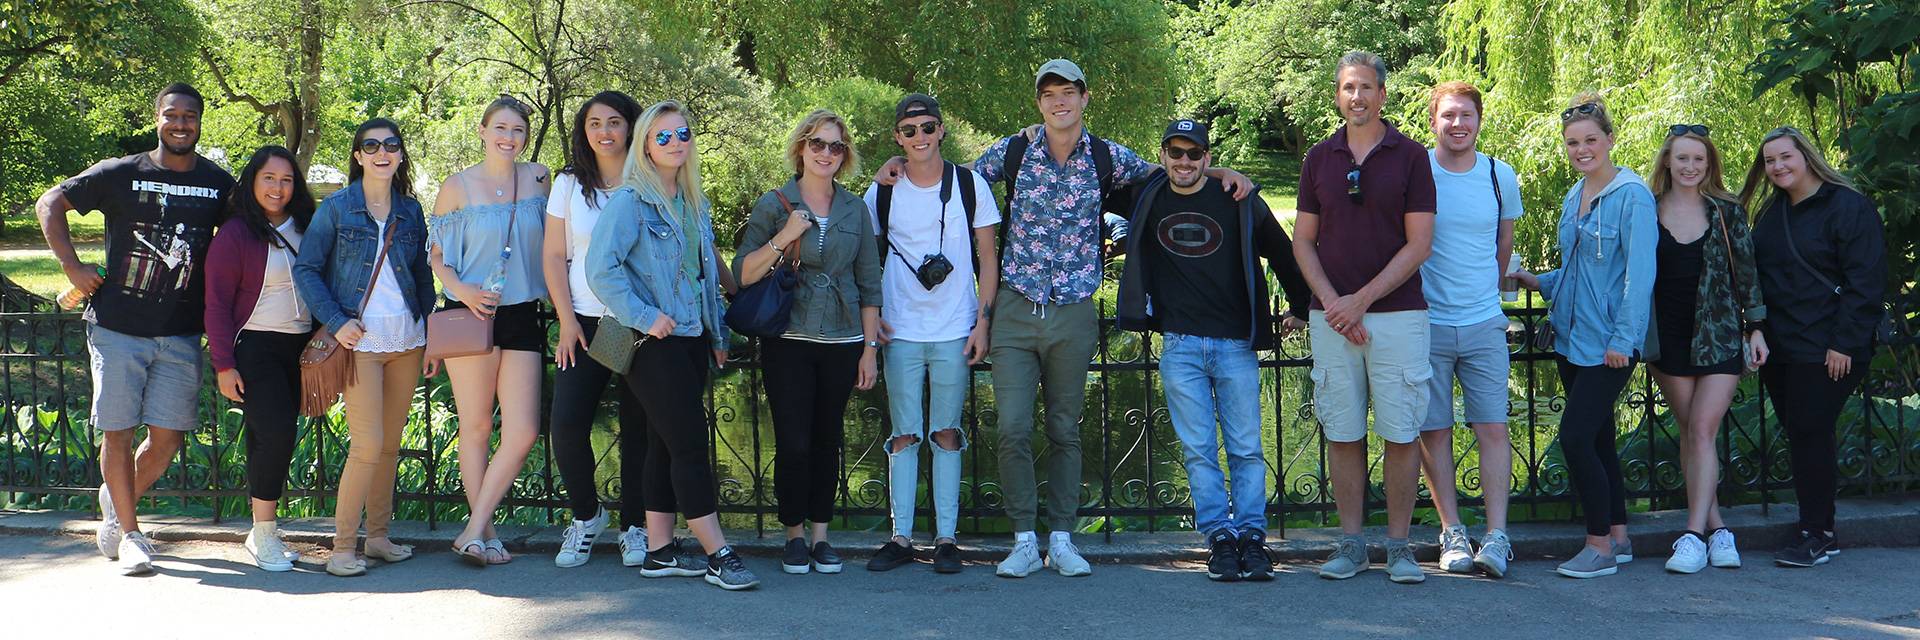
{"type": "Point", "coordinates": [1863, 522]}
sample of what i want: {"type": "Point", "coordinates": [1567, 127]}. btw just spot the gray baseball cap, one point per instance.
{"type": "Point", "coordinates": [1062, 67]}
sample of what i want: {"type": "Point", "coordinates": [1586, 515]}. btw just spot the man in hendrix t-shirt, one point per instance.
{"type": "Point", "coordinates": [144, 320]}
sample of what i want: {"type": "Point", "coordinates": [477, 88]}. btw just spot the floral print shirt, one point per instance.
{"type": "Point", "coordinates": [1052, 251]}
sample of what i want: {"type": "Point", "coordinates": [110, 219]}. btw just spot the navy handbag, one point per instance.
{"type": "Point", "coordinates": [763, 309]}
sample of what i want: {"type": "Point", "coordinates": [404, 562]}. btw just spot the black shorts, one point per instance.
{"type": "Point", "coordinates": [1682, 365]}
{"type": "Point", "coordinates": [516, 327]}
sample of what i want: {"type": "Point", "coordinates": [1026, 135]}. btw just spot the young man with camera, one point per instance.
{"type": "Point", "coordinates": [930, 227]}
{"type": "Point", "coordinates": [1193, 274]}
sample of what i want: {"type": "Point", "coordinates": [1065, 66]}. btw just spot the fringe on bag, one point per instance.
{"type": "Point", "coordinates": [321, 384]}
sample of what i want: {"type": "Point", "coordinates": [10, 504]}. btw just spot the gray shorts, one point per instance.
{"type": "Point", "coordinates": [1476, 354]}
{"type": "Point", "coordinates": [150, 381]}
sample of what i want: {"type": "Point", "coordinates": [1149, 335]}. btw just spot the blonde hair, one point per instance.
{"type": "Point", "coordinates": [507, 103]}
{"type": "Point", "coordinates": [640, 171]}
{"type": "Point", "coordinates": [1712, 185]}
{"type": "Point", "coordinates": [1816, 163]}
{"type": "Point", "coordinates": [1599, 114]}
{"type": "Point", "coordinates": [810, 125]}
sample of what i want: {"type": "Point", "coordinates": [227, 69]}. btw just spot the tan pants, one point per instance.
{"type": "Point", "coordinates": [377, 405]}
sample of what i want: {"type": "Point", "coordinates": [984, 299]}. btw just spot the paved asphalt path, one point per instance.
{"type": "Point", "coordinates": [59, 586]}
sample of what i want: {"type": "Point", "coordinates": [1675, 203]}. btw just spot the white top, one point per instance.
{"type": "Point", "coordinates": [390, 326]}
{"type": "Point", "coordinates": [1462, 277]}
{"type": "Point", "coordinates": [571, 208]}
{"type": "Point", "coordinates": [279, 309]}
{"type": "Point", "coordinates": [947, 311]}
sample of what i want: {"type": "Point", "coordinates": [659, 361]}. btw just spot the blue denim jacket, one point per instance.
{"type": "Point", "coordinates": [335, 266]}
{"type": "Point", "coordinates": [633, 266]}
{"type": "Point", "coordinates": [1602, 294]}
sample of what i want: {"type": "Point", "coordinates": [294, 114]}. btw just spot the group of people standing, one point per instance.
{"type": "Point", "coordinates": [1394, 267]}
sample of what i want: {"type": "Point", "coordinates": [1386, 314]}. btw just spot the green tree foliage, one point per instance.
{"type": "Point", "coordinates": [270, 57]}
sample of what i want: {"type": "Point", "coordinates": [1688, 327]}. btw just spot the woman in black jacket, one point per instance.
{"type": "Point", "coordinates": [1817, 242]}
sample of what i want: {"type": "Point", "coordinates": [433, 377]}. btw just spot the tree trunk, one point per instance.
{"type": "Point", "coordinates": [303, 137]}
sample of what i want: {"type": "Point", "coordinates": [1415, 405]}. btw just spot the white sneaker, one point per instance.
{"type": "Point", "coordinates": [1721, 551]}
{"type": "Point", "coordinates": [1066, 559]}
{"type": "Point", "coordinates": [1689, 554]}
{"type": "Point", "coordinates": [1456, 551]}
{"type": "Point", "coordinates": [633, 547]}
{"type": "Point", "coordinates": [108, 536]}
{"type": "Point", "coordinates": [1024, 560]}
{"type": "Point", "coordinates": [136, 554]}
{"type": "Point", "coordinates": [576, 545]}
{"type": "Point", "coordinates": [269, 552]}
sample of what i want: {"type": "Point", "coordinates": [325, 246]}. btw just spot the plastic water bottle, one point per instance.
{"type": "Point", "coordinates": [74, 297]}
{"type": "Point", "coordinates": [497, 280]}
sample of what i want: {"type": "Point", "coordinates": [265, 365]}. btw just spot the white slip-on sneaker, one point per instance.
{"type": "Point", "coordinates": [1721, 551]}
{"type": "Point", "coordinates": [269, 552]}
{"type": "Point", "coordinates": [1689, 554]}
{"type": "Point", "coordinates": [576, 544]}
{"type": "Point", "coordinates": [633, 547]}
{"type": "Point", "coordinates": [1024, 560]}
{"type": "Point", "coordinates": [107, 537]}
{"type": "Point", "coordinates": [136, 554]}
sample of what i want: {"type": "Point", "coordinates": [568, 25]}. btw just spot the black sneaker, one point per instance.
{"type": "Point", "coordinates": [727, 571]}
{"type": "Point", "coordinates": [890, 557]}
{"type": "Point", "coordinates": [796, 559]}
{"type": "Point", "coordinates": [1223, 563]}
{"type": "Point", "coordinates": [824, 559]}
{"type": "Point", "coordinates": [668, 562]}
{"type": "Point", "coordinates": [1256, 562]}
{"type": "Point", "coordinates": [946, 558]}
{"type": "Point", "coordinates": [1813, 548]}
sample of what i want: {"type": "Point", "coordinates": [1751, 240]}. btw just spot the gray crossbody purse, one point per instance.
{"type": "Point", "coordinates": [613, 344]}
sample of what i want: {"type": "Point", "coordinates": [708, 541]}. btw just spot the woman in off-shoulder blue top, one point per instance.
{"type": "Point", "coordinates": [484, 242]}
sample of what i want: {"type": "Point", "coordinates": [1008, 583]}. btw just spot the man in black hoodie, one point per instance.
{"type": "Point", "coordinates": [1194, 277]}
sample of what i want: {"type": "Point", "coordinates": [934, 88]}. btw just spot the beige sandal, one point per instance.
{"type": "Point", "coordinates": [393, 553]}
{"type": "Point", "coordinates": [346, 565]}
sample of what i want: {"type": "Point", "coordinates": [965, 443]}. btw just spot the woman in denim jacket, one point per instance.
{"type": "Point", "coordinates": [388, 336]}
{"type": "Point", "coordinates": [831, 345]}
{"type": "Point", "coordinates": [1601, 297]}
{"type": "Point", "coordinates": [651, 265]}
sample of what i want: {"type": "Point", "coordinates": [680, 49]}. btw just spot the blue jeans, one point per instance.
{"type": "Point", "coordinates": [1213, 381]}
{"type": "Point", "coordinates": [926, 386]}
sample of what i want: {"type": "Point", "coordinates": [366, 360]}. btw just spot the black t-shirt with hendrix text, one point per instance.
{"type": "Point", "coordinates": [159, 223]}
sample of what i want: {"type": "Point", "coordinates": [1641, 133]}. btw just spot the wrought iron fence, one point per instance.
{"type": "Point", "coordinates": [1133, 477]}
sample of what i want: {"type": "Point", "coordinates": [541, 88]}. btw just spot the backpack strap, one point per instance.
{"type": "Point", "coordinates": [1499, 201]}
{"type": "Point", "coordinates": [882, 205]}
{"type": "Point", "coordinates": [1010, 170]}
{"type": "Point", "coordinates": [964, 179]}
{"type": "Point", "coordinates": [1102, 164]}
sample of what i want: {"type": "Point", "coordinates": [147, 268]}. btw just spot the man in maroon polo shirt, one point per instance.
{"type": "Point", "coordinates": [1365, 226]}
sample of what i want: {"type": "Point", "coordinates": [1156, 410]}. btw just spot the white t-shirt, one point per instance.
{"type": "Point", "coordinates": [1461, 278]}
{"type": "Point", "coordinates": [947, 311]}
{"type": "Point", "coordinates": [279, 308]}
{"type": "Point", "coordinates": [570, 206]}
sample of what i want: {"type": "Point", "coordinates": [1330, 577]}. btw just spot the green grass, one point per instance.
{"type": "Point", "coordinates": [41, 273]}
{"type": "Point", "coordinates": [23, 231]}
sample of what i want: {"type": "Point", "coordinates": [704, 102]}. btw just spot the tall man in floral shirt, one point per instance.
{"type": "Point", "coordinates": [1045, 324]}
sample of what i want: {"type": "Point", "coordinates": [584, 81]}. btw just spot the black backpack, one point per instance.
{"type": "Point", "coordinates": [883, 205]}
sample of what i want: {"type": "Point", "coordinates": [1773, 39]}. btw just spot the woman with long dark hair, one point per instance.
{"type": "Point", "coordinates": [380, 317]}
{"type": "Point", "coordinates": [256, 327]}
{"type": "Point", "coordinates": [1823, 269]}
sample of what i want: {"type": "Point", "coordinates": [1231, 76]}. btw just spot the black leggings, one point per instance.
{"type": "Point", "coordinates": [668, 375]}
{"type": "Point", "coordinates": [1587, 437]}
{"type": "Point", "coordinates": [269, 366]}
{"type": "Point", "coordinates": [807, 389]}
{"type": "Point", "coordinates": [576, 399]}
{"type": "Point", "coordinates": [1808, 404]}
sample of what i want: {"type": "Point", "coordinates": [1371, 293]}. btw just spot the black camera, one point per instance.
{"type": "Point", "coordinates": [933, 271]}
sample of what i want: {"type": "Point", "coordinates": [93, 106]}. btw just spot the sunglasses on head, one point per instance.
{"type": "Point", "coordinates": [667, 135]}
{"type": "Point", "coordinates": [1684, 129]}
{"type": "Point", "coordinates": [1353, 186]}
{"type": "Point", "coordinates": [371, 146]}
{"type": "Point", "coordinates": [836, 147]}
{"type": "Point", "coordinates": [1585, 108]}
{"type": "Point", "coordinates": [907, 130]}
{"type": "Point", "coordinates": [1178, 153]}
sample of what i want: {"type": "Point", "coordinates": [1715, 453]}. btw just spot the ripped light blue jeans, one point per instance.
{"type": "Point", "coordinates": [926, 386]}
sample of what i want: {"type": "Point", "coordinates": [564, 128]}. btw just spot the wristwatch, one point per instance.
{"type": "Point", "coordinates": [873, 344]}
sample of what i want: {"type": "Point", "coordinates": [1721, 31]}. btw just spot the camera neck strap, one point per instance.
{"type": "Point", "coordinates": [946, 195]}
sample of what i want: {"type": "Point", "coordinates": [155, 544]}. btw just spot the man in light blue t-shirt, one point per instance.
{"type": "Point", "coordinates": [1478, 199]}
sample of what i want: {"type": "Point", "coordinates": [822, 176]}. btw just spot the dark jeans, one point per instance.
{"type": "Point", "coordinates": [807, 389]}
{"type": "Point", "coordinates": [269, 366]}
{"type": "Point", "coordinates": [1587, 440]}
{"type": "Point", "coordinates": [576, 398]}
{"type": "Point", "coordinates": [1808, 404]}
{"type": "Point", "coordinates": [668, 376]}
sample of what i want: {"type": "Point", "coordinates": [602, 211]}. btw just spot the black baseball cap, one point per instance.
{"type": "Point", "coordinates": [916, 104]}
{"type": "Point", "coordinates": [1192, 130]}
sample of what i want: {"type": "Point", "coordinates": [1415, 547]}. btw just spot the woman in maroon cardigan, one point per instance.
{"type": "Point", "coordinates": [256, 327]}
